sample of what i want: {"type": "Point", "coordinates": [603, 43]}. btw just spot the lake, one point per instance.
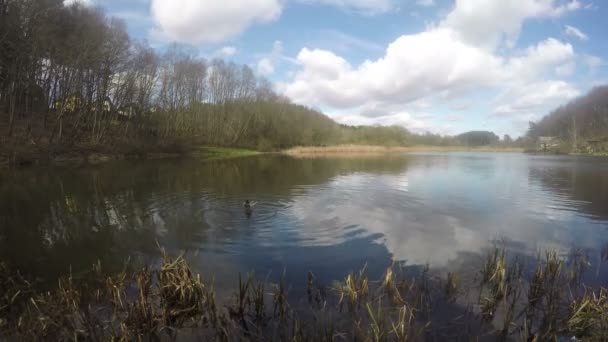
{"type": "Point", "coordinates": [325, 215]}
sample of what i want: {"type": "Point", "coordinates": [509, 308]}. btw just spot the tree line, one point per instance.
{"type": "Point", "coordinates": [579, 125]}
{"type": "Point", "coordinates": [71, 76]}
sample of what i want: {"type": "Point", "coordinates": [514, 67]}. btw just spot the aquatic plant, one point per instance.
{"type": "Point", "coordinates": [171, 301]}
{"type": "Point", "coordinates": [588, 317]}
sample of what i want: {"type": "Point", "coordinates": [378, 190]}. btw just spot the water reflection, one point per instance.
{"type": "Point", "coordinates": [328, 215]}
{"type": "Point", "coordinates": [578, 184]}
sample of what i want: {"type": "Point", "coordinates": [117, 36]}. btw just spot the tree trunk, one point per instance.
{"type": "Point", "coordinates": [11, 113]}
{"type": "Point", "coordinates": [574, 135]}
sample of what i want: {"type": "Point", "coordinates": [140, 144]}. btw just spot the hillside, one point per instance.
{"type": "Point", "coordinates": [72, 81]}
{"type": "Point", "coordinates": [581, 125]}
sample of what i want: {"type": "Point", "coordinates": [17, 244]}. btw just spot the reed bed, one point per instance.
{"type": "Point", "coordinates": [379, 150]}
{"type": "Point", "coordinates": [546, 301]}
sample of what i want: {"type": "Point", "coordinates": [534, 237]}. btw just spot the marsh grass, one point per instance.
{"type": "Point", "coordinates": [452, 286]}
{"type": "Point", "coordinates": [354, 290]}
{"type": "Point", "coordinates": [354, 150]}
{"type": "Point", "coordinates": [173, 302]}
{"type": "Point", "coordinates": [589, 315]}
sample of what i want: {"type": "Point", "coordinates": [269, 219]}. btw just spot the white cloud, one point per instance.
{"type": "Point", "coordinates": [416, 66]}
{"type": "Point", "coordinates": [425, 3]}
{"type": "Point", "coordinates": [227, 51]}
{"type": "Point", "coordinates": [403, 119]}
{"type": "Point", "coordinates": [132, 17]}
{"type": "Point", "coordinates": [265, 67]}
{"type": "Point", "coordinates": [590, 6]}
{"type": "Point", "coordinates": [488, 23]}
{"type": "Point", "coordinates": [539, 59]}
{"type": "Point", "coordinates": [574, 32]}
{"type": "Point", "coordinates": [592, 62]}
{"type": "Point", "coordinates": [529, 98]}
{"type": "Point", "coordinates": [413, 66]}
{"type": "Point", "coordinates": [266, 64]}
{"type": "Point", "coordinates": [82, 2]}
{"type": "Point", "coordinates": [566, 69]}
{"type": "Point", "coordinates": [444, 63]}
{"type": "Point", "coordinates": [197, 21]}
{"type": "Point", "coordinates": [340, 41]}
{"type": "Point", "coordinates": [412, 116]}
{"type": "Point", "coordinates": [363, 6]}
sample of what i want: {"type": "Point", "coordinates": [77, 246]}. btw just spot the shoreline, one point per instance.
{"type": "Point", "coordinates": [374, 149]}
{"type": "Point", "coordinates": [97, 155]}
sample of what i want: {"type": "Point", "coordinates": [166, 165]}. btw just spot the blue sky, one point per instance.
{"type": "Point", "coordinates": [444, 66]}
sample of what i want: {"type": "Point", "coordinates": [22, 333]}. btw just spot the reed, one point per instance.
{"type": "Point", "coordinates": [181, 292]}
{"type": "Point", "coordinates": [588, 316]}
{"type": "Point", "coordinates": [353, 290]}
{"type": "Point", "coordinates": [353, 150]}
{"type": "Point", "coordinates": [171, 302]}
{"type": "Point", "coordinates": [452, 286]}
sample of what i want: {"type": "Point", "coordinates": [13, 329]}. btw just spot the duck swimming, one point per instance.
{"type": "Point", "coordinates": [248, 207]}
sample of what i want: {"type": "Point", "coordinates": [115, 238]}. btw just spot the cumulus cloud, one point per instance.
{"type": "Point", "coordinates": [447, 61]}
{"type": "Point", "coordinates": [265, 67]}
{"type": "Point", "coordinates": [487, 23]}
{"type": "Point", "coordinates": [82, 2]}
{"type": "Point", "coordinates": [227, 51]}
{"type": "Point", "coordinates": [537, 60]}
{"type": "Point", "coordinates": [574, 32]}
{"type": "Point", "coordinates": [415, 66]}
{"type": "Point", "coordinates": [197, 21]}
{"type": "Point", "coordinates": [592, 62]}
{"type": "Point", "coordinates": [425, 3]}
{"type": "Point", "coordinates": [566, 69]}
{"type": "Point", "coordinates": [403, 119]}
{"type": "Point", "coordinates": [266, 64]}
{"type": "Point", "coordinates": [363, 6]}
{"type": "Point", "coordinates": [527, 98]}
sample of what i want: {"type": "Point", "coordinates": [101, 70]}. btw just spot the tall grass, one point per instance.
{"type": "Point", "coordinates": [171, 301]}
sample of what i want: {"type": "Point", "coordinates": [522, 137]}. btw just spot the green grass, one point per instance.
{"type": "Point", "coordinates": [213, 153]}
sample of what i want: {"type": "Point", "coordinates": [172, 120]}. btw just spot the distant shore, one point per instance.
{"type": "Point", "coordinates": [82, 155]}
{"type": "Point", "coordinates": [371, 149]}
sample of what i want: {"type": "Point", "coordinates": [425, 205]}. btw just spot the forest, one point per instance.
{"type": "Point", "coordinates": [580, 126]}
{"type": "Point", "coordinates": [71, 79]}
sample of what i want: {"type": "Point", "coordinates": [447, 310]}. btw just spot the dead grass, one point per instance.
{"type": "Point", "coordinates": [173, 301]}
{"type": "Point", "coordinates": [379, 150]}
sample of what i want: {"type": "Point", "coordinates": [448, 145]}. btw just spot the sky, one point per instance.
{"type": "Point", "coordinates": [442, 66]}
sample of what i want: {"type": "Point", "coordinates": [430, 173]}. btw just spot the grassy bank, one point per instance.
{"type": "Point", "coordinates": [223, 152]}
{"type": "Point", "coordinates": [371, 149]}
{"type": "Point", "coordinates": [98, 154]}
{"type": "Point", "coordinates": [507, 299]}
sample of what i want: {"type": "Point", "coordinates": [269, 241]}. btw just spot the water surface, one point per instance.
{"type": "Point", "coordinates": [326, 215]}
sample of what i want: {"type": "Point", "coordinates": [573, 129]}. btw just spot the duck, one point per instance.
{"type": "Point", "coordinates": [248, 205]}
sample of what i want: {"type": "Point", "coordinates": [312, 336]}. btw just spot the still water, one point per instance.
{"type": "Point", "coordinates": [325, 215]}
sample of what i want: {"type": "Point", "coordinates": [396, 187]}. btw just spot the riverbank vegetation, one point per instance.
{"type": "Point", "coordinates": [507, 299]}
{"type": "Point", "coordinates": [580, 126]}
{"type": "Point", "coordinates": [73, 84]}
{"type": "Point", "coordinates": [376, 150]}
